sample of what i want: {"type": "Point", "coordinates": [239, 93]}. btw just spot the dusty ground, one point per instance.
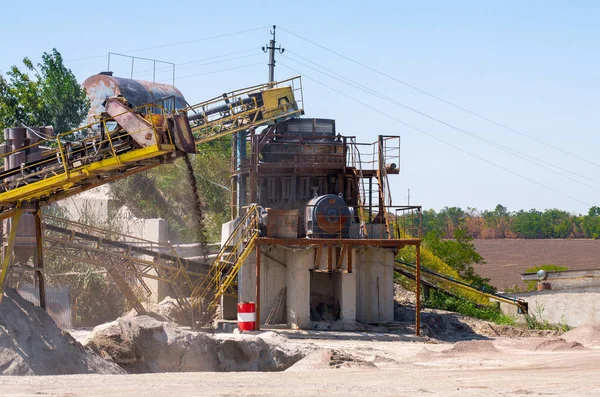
{"type": "Point", "coordinates": [363, 364]}
{"type": "Point", "coordinates": [508, 258]}
{"type": "Point", "coordinates": [457, 356]}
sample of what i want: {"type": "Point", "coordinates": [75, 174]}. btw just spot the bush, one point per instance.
{"type": "Point", "coordinates": [442, 301]}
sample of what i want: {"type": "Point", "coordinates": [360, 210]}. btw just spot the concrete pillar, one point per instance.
{"type": "Point", "coordinates": [374, 269]}
{"type": "Point", "coordinates": [247, 279]}
{"type": "Point", "coordinates": [345, 292]}
{"type": "Point", "coordinates": [155, 230]}
{"type": "Point", "coordinates": [298, 287]}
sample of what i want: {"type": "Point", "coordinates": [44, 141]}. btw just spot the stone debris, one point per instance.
{"type": "Point", "coordinates": [472, 346]}
{"type": "Point", "coordinates": [587, 335]}
{"type": "Point", "coordinates": [331, 359]}
{"type": "Point", "coordinates": [559, 344]}
{"type": "Point", "coordinates": [143, 344]}
{"type": "Point", "coordinates": [32, 344]}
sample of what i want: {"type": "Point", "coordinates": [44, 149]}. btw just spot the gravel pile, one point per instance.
{"type": "Point", "coordinates": [32, 344]}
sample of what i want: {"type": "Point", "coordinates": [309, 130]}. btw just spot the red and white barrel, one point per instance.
{"type": "Point", "coordinates": [246, 316]}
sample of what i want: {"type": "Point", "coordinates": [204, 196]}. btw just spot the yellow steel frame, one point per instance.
{"type": "Point", "coordinates": [8, 250]}
{"type": "Point", "coordinates": [228, 262]}
{"type": "Point", "coordinates": [60, 181]}
{"type": "Point", "coordinates": [244, 116]}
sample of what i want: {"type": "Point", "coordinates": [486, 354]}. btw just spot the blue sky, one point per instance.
{"type": "Point", "coordinates": [533, 66]}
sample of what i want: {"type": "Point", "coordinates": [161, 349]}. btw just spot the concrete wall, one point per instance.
{"type": "Point", "coordinates": [573, 307]}
{"type": "Point", "coordinates": [272, 281]}
{"type": "Point", "coordinates": [374, 269]}
{"type": "Point", "coordinates": [365, 295]}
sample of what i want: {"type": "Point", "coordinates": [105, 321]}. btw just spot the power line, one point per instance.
{"type": "Point", "coordinates": [445, 100]}
{"type": "Point", "coordinates": [174, 44]}
{"type": "Point", "coordinates": [203, 64]}
{"type": "Point", "coordinates": [437, 138]}
{"type": "Point", "coordinates": [194, 61]}
{"type": "Point", "coordinates": [220, 70]}
{"type": "Point", "coordinates": [516, 153]}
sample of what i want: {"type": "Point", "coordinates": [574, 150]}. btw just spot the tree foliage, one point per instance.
{"type": "Point", "coordinates": [48, 94]}
{"type": "Point", "coordinates": [458, 253]}
{"type": "Point", "coordinates": [500, 223]}
{"type": "Point", "coordinates": [164, 192]}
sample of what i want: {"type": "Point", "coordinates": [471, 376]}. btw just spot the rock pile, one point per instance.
{"type": "Point", "coordinates": [143, 344]}
{"type": "Point", "coordinates": [32, 344]}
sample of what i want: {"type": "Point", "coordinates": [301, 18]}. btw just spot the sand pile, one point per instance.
{"type": "Point", "coordinates": [587, 335]}
{"type": "Point", "coordinates": [143, 344]}
{"type": "Point", "coordinates": [559, 344]}
{"type": "Point", "coordinates": [32, 344]}
{"type": "Point", "coordinates": [472, 346]}
{"type": "Point", "coordinates": [330, 359]}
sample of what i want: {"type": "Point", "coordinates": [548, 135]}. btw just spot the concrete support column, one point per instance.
{"type": "Point", "coordinates": [345, 291]}
{"type": "Point", "coordinates": [374, 268]}
{"type": "Point", "coordinates": [298, 287]}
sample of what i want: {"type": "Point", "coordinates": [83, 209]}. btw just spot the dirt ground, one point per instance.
{"type": "Point", "coordinates": [349, 363]}
{"type": "Point", "coordinates": [508, 258]}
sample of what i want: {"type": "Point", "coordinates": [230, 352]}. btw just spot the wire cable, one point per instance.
{"type": "Point", "coordinates": [444, 100]}
{"type": "Point", "coordinates": [516, 153]}
{"type": "Point", "coordinates": [203, 64]}
{"type": "Point", "coordinates": [196, 60]}
{"type": "Point", "coordinates": [437, 138]}
{"type": "Point", "coordinates": [219, 71]}
{"type": "Point", "coordinates": [175, 44]}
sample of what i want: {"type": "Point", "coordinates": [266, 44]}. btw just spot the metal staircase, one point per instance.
{"type": "Point", "coordinates": [224, 269]}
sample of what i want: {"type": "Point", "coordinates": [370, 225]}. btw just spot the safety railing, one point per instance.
{"type": "Point", "coordinates": [286, 151]}
{"type": "Point", "coordinates": [408, 221]}
{"type": "Point", "coordinates": [245, 108]}
{"type": "Point", "coordinates": [340, 222]}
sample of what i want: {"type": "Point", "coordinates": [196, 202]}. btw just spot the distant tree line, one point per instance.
{"type": "Point", "coordinates": [500, 223]}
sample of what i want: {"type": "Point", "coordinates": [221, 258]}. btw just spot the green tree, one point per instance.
{"type": "Point", "coordinates": [528, 224]}
{"type": "Point", "coordinates": [51, 95]}
{"type": "Point", "coordinates": [556, 224]}
{"type": "Point", "coordinates": [591, 223]}
{"type": "Point", "coordinates": [164, 192]}
{"type": "Point", "coordinates": [459, 253]}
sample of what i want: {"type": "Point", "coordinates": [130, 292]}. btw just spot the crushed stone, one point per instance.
{"type": "Point", "coordinates": [143, 344]}
{"type": "Point", "coordinates": [330, 359]}
{"type": "Point", "coordinates": [559, 344]}
{"type": "Point", "coordinates": [587, 335]}
{"type": "Point", "coordinates": [472, 346]}
{"type": "Point", "coordinates": [32, 344]}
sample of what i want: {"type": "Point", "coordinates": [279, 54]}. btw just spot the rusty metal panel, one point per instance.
{"type": "Point", "coordinates": [138, 127]}
{"type": "Point", "coordinates": [282, 223]}
{"type": "Point", "coordinates": [182, 134]}
{"type": "Point", "coordinates": [58, 303]}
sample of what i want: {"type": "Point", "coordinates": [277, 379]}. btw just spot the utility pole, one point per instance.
{"type": "Point", "coordinates": [271, 48]}
{"type": "Point", "coordinates": [408, 197]}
